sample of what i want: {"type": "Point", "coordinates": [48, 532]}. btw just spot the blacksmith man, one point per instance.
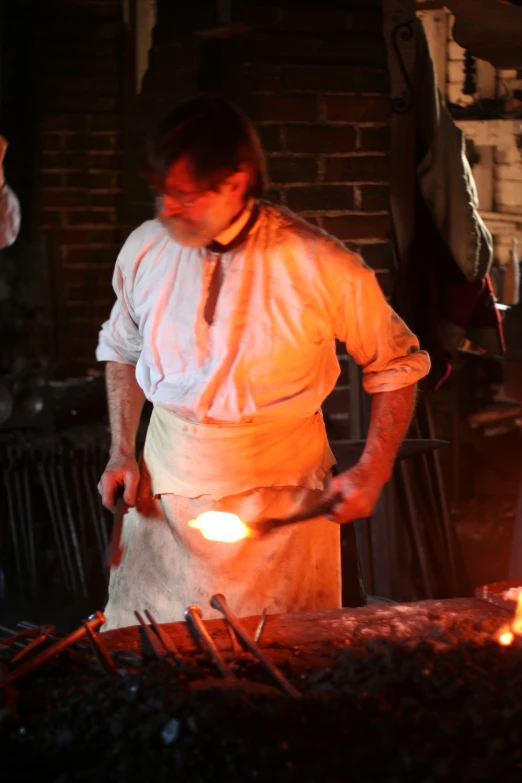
{"type": "Point", "coordinates": [226, 315]}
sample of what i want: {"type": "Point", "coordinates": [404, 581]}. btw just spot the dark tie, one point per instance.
{"type": "Point", "coordinates": [213, 290]}
{"type": "Point", "coordinates": [217, 274]}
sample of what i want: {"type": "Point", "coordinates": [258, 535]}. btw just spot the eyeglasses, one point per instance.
{"type": "Point", "coordinates": [183, 198]}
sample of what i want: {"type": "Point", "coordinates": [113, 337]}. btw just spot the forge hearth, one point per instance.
{"type": "Point", "coordinates": [408, 692]}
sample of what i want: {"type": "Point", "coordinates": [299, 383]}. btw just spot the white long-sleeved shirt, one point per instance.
{"type": "Point", "coordinates": [286, 295]}
{"type": "Point", "coordinates": [9, 216]}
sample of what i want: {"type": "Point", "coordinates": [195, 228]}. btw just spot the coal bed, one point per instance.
{"type": "Point", "coordinates": [403, 692]}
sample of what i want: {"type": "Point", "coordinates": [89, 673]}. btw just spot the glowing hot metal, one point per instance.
{"type": "Point", "coordinates": [220, 526]}
{"type": "Point", "coordinates": [507, 633]}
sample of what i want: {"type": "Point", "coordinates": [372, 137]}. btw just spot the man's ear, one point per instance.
{"type": "Point", "coordinates": [238, 182]}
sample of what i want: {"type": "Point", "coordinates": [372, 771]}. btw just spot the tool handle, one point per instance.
{"type": "Point", "coordinates": [115, 553]}
{"type": "Point", "coordinates": [193, 615]}
{"type": "Point", "coordinates": [320, 509]}
{"type": "Point", "coordinates": [219, 602]}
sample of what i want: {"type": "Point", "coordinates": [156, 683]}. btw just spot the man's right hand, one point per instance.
{"type": "Point", "coordinates": [122, 471]}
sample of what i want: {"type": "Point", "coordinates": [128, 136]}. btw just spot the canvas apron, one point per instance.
{"type": "Point", "coordinates": [254, 470]}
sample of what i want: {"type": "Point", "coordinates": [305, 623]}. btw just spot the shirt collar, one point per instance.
{"type": "Point", "coordinates": [231, 232]}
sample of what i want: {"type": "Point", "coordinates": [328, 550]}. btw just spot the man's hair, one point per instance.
{"type": "Point", "coordinates": [216, 138]}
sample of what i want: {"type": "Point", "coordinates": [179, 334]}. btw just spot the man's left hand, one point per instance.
{"type": "Point", "coordinates": [357, 491]}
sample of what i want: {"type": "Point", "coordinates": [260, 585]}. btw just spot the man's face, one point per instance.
{"type": "Point", "coordinates": [192, 215]}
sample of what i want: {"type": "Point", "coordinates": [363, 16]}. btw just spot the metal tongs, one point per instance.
{"type": "Point", "coordinates": [321, 509]}
{"type": "Point", "coordinates": [352, 451]}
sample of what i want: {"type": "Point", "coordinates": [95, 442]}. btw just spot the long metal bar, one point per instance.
{"type": "Point", "coordinates": [54, 524]}
{"type": "Point", "coordinates": [26, 633]}
{"type": "Point", "coordinates": [89, 492]}
{"type": "Point", "coordinates": [72, 529]}
{"type": "Point", "coordinates": [46, 632]}
{"type": "Point", "coordinates": [168, 644]}
{"type": "Point", "coordinates": [14, 533]}
{"type": "Point", "coordinates": [62, 525]}
{"type": "Point", "coordinates": [193, 615]}
{"type": "Point", "coordinates": [22, 522]}
{"type": "Point", "coordinates": [449, 529]}
{"type": "Point", "coordinates": [99, 506]}
{"type": "Point", "coordinates": [101, 652]}
{"type": "Point", "coordinates": [320, 509]}
{"type": "Point", "coordinates": [153, 641]}
{"type": "Point", "coordinates": [415, 530]}
{"type": "Point", "coordinates": [94, 621]}
{"type": "Point", "coordinates": [219, 602]}
{"type": "Point", "coordinates": [30, 521]}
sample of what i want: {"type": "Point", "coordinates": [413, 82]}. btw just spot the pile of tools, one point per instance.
{"type": "Point", "coordinates": [87, 707]}
{"type": "Point", "coordinates": [26, 650]}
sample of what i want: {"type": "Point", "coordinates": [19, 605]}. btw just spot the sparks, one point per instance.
{"type": "Point", "coordinates": [220, 526]}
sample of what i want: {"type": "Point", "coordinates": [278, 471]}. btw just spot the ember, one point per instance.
{"type": "Point", "coordinates": [220, 526]}
{"type": "Point", "coordinates": [509, 632]}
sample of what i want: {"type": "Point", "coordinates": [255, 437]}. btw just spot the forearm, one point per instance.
{"type": "Point", "coordinates": [125, 401]}
{"type": "Point", "coordinates": [390, 418]}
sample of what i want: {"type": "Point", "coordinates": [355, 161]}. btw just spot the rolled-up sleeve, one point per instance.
{"type": "Point", "coordinates": [374, 335]}
{"type": "Point", "coordinates": [120, 339]}
{"type": "Point", "coordinates": [10, 216]}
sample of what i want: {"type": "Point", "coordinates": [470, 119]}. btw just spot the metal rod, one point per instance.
{"type": "Point", "coordinates": [219, 602]}
{"type": "Point", "coordinates": [89, 492]}
{"type": "Point", "coordinates": [29, 516]}
{"type": "Point", "coordinates": [166, 641]}
{"type": "Point", "coordinates": [448, 527]}
{"type": "Point", "coordinates": [259, 629]}
{"type": "Point", "coordinates": [72, 530]}
{"type": "Point", "coordinates": [322, 508]}
{"type": "Point", "coordinates": [14, 534]}
{"type": "Point", "coordinates": [62, 525]}
{"type": "Point", "coordinates": [100, 650]}
{"type": "Point", "coordinates": [151, 638]}
{"type": "Point", "coordinates": [99, 506]}
{"type": "Point", "coordinates": [236, 647]}
{"type": "Point", "coordinates": [415, 530]}
{"type": "Point", "coordinates": [46, 631]}
{"type": "Point", "coordinates": [25, 634]}
{"type": "Point", "coordinates": [94, 621]}
{"type": "Point", "coordinates": [193, 615]}
{"type": "Point", "coordinates": [23, 525]}
{"type": "Point", "coordinates": [54, 524]}
{"type": "Point", "coordinates": [80, 508]}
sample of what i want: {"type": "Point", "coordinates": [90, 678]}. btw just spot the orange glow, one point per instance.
{"type": "Point", "coordinates": [506, 638]}
{"type": "Point", "coordinates": [517, 622]}
{"type": "Point", "coordinates": [220, 526]}
{"type": "Point", "coordinates": [506, 635]}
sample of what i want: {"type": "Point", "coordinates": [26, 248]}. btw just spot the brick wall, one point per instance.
{"type": "Point", "coordinates": [314, 80]}
{"type": "Point", "coordinates": [81, 93]}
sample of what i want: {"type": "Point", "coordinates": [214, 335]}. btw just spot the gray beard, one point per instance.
{"type": "Point", "coordinates": [183, 235]}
